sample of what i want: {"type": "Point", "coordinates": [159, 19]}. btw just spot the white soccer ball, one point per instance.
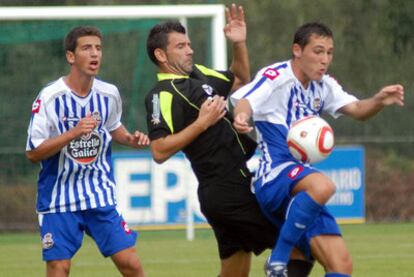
{"type": "Point", "coordinates": [310, 139]}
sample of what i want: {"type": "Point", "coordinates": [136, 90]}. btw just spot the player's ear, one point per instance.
{"type": "Point", "coordinates": [160, 55]}
{"type": "Point", "coordinates": [70, 57]}
{"type": "Point", "coordinates": [296, 50]}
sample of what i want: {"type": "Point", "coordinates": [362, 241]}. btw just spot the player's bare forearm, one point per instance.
{"type": "Point", "coordinates": [163, 148]}
{"type": "Point", "coordinates": [242, 114]}
{"type": "Point", "coordinates": [367, 108]}
{"type": "Point", "coordinates": [361, 109]}
{"type": "Point", "coordinates": [50, 147]}
{"type": "Point", "coordinates": [240, 65]}
{"type": "Point", "coordinates": [243, 106]}
{"type": "Point", "coordinates": [136, 140]}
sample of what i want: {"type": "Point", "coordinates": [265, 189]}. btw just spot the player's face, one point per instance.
{"type": "Point", "coordinates": [314, 59]}
{"type": "Point", "coordinates": [179, 54]}
{"type": "Point", "coordinates": [87, 56]}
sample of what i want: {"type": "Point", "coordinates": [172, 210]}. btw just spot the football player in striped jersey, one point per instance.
{"type": "Point", "coordinates": [279, 95]}
{"type": "Point", "coordinates": [74, 121]}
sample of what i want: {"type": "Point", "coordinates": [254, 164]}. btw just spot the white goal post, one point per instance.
{"type": "Point", "coordinates": [181, 12]}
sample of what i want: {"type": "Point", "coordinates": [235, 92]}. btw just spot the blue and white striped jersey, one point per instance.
{"type": "Point", "coordinates": [278, 99]}
{"type": "Point", "coordinates": [80, 176]}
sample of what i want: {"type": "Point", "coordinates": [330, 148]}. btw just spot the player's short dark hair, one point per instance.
{"type": "Point", "coordinates": [304, 32]}
{"type": "Point", "coordinates": [158, 37]}
{"type": "Point", "coordinates": [71, 38]}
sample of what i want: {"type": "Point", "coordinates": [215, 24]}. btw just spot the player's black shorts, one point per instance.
{"type": "Point", "coordinates": [232, 211]}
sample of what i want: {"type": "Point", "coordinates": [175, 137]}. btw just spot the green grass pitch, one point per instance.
{"type": "Point", "coordinates": [377, 249]}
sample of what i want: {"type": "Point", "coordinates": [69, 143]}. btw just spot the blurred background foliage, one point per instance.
{"type": "Point", "coordinates": [374, 42]}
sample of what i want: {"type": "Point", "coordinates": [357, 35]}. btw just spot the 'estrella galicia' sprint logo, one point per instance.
{"type": "Point", "coordinates": [85, 150]}
{"type": "Point", "coordinates": [208, 89]}
{"type": "Point", "coordinates": [155, 110]}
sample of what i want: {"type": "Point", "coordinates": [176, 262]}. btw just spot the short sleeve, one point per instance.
{"type": "Point", "coordinates": [336, 97]}
{"type": "Point", "coordinates": [115, 112]}
{"type": "Point", "coordinates": [159, 114]}
{"type": "Point", "coordinates": [258, 91]}
{"type": "Point", "coordinates": [38, 130]}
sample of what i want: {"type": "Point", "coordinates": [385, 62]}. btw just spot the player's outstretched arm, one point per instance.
{"type": "Point", "coordinates": [236, 32]}
{"type": "Point", "coordinates": [211, 111]}
{"type": "Point", "coordinates": [367, 108]}
{"type": "Point", "coordinates": [136, 140]}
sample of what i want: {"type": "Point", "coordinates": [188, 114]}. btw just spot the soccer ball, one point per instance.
{"type": "Point", "coordinates": [310, 140]}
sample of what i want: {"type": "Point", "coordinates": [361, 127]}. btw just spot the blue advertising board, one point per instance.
{"type": "Point", "coordinates": [155, 194]}
{"type": "Point", "coordinates": [346, 168]}
{"type": "Point", "coordinates": [166, 194]}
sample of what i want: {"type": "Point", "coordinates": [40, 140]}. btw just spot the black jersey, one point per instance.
{"type": "Point", "coordinates": [174, 103]}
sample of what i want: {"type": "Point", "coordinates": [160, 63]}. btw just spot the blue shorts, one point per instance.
{"type": "Point", "coordinates": [62, 233]}
{"type": "Point", "coordinates": [274, 198]}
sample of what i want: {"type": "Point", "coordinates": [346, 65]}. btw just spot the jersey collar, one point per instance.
{"type": "Point", "coordinates": [169, 76]}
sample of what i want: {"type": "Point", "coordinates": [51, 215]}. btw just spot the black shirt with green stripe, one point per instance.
{"type": "Point", "coordinates": [174, 103]}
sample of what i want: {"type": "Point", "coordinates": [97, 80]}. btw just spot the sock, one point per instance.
{"type": "Point", "coordinates": [299, 268]}
{"type": "Point", "coordinates": [299, 215]}
{"type": "Point", "coordinates": [333, 274]}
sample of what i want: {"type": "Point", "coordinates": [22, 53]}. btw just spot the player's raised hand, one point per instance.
{"type": "Point", "coordinates": [241, 123]}
{"type": "Point", "coordinates": [235, 29]}
{"type": "Point", "coordinates": [138, 139]}
{"type": "Point", "coordinates": [390, 95]}
{"type": "Point", "coordinates": [85, 126]}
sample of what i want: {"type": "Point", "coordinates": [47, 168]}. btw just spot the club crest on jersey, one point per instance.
{"type": "Point", "coordinates": [271, 73]}
{"type": "Point", "coordinates": [316, 104]}
{"type": "Point", "coordinates": [208, 89]}
{"type": "Point", "coordinates": [97, 116]}
{"type": "Point", "coordinates": [308, 104]}
{"type": "Point", "coordinates": [47, 241]}
{"type": "Point", "coordinates": [295, 172]}
{"type": "Point", "coordinates": [155, 110]}
{"type": "Point", "coordinates": [85, 150]}
{"type": "Point", "coordinates": [36, 106]}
